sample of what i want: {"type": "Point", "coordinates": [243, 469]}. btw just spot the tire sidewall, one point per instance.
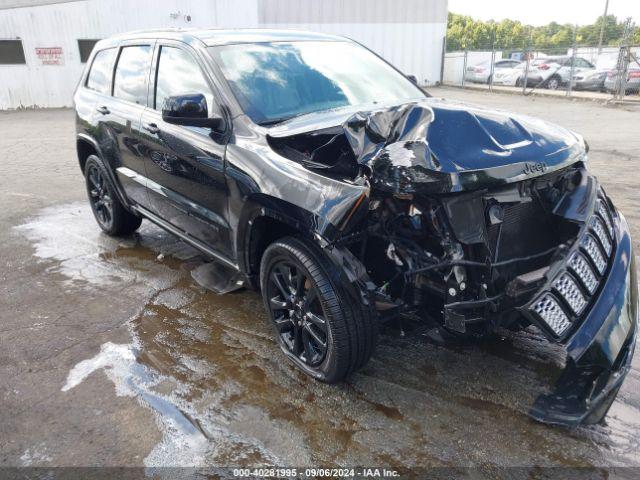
{"type": "Point", "coordinates": [94, 162]}
{"type": "Point", "coordinates": [277, 252]}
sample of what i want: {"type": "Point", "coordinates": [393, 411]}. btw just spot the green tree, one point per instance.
{"type": "Point", "coordinates": [464, 32]}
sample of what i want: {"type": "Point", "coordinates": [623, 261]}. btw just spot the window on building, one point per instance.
{"type": "Point", "coordinates": [179, 74]}
{"type": "Point", "coordinates": [99, 78]}
{"type": "Point", "coordinates": [132, 71]}
{"type": "Point", "coordinates": [11, 52]}
{"type": "Point", "coordinates": [85, 46]}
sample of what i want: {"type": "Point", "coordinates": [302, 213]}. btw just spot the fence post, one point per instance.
{"type": "Point", "coordinates": [527, 53]}
{"type": "Point", "coordinates": [618, 71]}
{"type": "Point", "coordinates": [626, 59]}
{"type": "Point", "coordinates": [464, 66]}
{"type": "Point", "coordinates": [573, 62]}
{"type": "Point", "coordinates": [444, 55]}
{"type": "Point", "coordinates": [493, 59]}
{"type": "Point", "coordinates": [623, 61]}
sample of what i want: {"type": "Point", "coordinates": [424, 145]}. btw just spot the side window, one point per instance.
{"type": "Point", "coordinates": [132, 71]}
{"type": "Point", "coordinates": [179, 74]}
{"type": "Point", "coordinates": [99, 78]}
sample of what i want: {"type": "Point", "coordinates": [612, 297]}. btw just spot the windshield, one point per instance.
{"type": "Point", "coordinates": [274, 82]}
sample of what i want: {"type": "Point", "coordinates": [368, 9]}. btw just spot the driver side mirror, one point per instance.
{"type": "Point", "coordinates": [413, 79]}
{"type": "Point", "coordinates": [191, 111]}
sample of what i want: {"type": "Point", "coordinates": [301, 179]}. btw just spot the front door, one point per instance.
{"type": "Point", "coordinates": [185, 165]}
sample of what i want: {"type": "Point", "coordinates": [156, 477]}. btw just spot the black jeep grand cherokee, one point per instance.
{"type": "Point", "coordinates": [306, 166]}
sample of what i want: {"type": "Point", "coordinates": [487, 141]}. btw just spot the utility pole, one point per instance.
{"type": "Point", "coordinates": [604, 22]}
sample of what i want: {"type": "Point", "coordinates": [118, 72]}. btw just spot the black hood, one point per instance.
{"type": "Point", "coordinates": [436, 146]}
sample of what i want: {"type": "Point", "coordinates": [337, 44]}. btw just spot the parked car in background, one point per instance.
{"type": "Point", "coordinates": [481, 73]}
{"type": "Point", "coordinates": [632, 85]}
{"type": "Point", "coordinates": [510, 76]}
{"type": "Point", "coordinates": [590, 80]}
{"type": "Point", "coordinates": [555, 72]}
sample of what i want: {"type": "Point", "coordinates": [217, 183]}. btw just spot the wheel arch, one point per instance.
{"type": "Point", "coordinates": [264, 220]}
{"type": "Point", "coordinates": [87, 146]}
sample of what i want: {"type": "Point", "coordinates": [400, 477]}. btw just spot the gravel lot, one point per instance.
{"type": "Point", "coordinates": [110, 355]}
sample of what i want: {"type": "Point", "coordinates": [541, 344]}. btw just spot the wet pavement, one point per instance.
{"type": "Point", "coordinates": [111, 354]}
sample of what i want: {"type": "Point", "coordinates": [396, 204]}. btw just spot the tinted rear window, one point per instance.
{"type": "Point", "coordinates": [99, 78]}
{"type": "Point", "coordinates": [132, 72]}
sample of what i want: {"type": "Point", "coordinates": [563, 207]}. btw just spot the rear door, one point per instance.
{"type": "Point", "coordinates": [122, 116]}
{"type": "Point", "coordinates": [185, 165]}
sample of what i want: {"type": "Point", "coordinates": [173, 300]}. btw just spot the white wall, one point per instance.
{"type": "Point", "coordinates": [60, 25]}
{"type": "Point", "coordinates": [411, 38]}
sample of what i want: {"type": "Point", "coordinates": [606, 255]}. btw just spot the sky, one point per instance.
{"type": "Point", "coordinates": [541, 12]}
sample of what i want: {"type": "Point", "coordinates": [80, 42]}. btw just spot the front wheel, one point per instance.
{"type": "Point", "coordinates": [324, 331]}
{"type": "Point", "coordinates": [553, 83]}
{"type": "Point", "coordinates": [112, 217]}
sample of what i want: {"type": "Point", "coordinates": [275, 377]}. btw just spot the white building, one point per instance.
{"type": "Point", "coordinates": [43, 43]}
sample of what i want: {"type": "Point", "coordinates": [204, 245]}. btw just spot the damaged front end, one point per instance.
{"type": "Point", "coordinates": [484, 221]}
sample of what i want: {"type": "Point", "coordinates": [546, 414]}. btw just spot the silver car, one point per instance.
{"type": "Point", "coordinates": [481, 73]}
{"type": "Point", "coordinates": [555, 72]}
{"type": "Point", "coordinates": [632, 85]}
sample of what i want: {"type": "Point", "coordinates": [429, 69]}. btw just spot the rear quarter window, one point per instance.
{"type": "Point", "coordinates": [99, 78]}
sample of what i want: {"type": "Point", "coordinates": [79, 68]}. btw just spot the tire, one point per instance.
{"type": "Point", "coordinates": [553, 83]}
{"type": "Point", "coordinates": [519, 82]}
{"type": "Point", "coordinates": [112, 217]}
{"type": "Point", "coordinates": [309, 306]}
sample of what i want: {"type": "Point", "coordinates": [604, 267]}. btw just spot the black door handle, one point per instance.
{"type": "Point", "coordinates": [103, 110]}
{"type": "Point", "coordinates": [151, 128]}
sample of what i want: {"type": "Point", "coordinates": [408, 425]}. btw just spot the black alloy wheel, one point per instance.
{"type": "Point", "coordinates": [320, 321]}
{"type": "Point", "coordinates": [99, 197]}
{"type": "Point", "coordinates": [297, 313]}
{"type": "Point", "coordinates": [111, 215]}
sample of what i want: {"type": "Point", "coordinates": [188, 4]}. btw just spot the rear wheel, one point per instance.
{"type": "Point", "coordinates": [112, 217]}
{"type": "Point", "coordinates": [323, 330]}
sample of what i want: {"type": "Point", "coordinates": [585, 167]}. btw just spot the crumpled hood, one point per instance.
{"type": "Point", "coordinates": [437, 146]}
{"type": "Point", "coordinates": [465, 137]}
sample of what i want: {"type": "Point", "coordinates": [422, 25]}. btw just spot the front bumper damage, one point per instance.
{"type": "Point", "coordinates": [482, 234]}
{"type": "Point", "coordinates": [600, 350]}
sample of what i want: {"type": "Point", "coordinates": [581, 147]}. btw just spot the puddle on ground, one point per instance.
{"type": "Point", "coordinates": [222, 393]}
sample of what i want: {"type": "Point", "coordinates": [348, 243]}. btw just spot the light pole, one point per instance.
{"type": "Point", "coordinates": [604, 22]}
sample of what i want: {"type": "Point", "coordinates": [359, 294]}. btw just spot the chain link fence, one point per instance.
{"type": "Point", "coordinates": [600, 69]}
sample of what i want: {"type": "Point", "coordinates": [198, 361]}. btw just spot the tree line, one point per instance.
{"type": "Point", "coordinates": [464, 32]}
